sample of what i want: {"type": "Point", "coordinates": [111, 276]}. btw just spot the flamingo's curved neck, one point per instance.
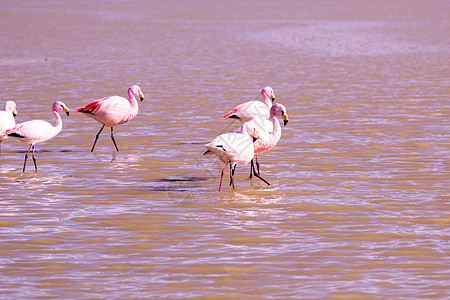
{"type": "Point", "coordinates": [267, 99]}
{"type": "Point", "coordinates": [133, 102]}
{"type": "Point", "coordinates": [58, 126]}
{"type": "Point", "coordinates": [276, 133]}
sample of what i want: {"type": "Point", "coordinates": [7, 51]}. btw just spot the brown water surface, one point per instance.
{"type": "Point", "coordinates": [358, 205]}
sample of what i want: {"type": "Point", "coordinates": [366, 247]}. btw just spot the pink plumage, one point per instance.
{"type": "Point", "coordinates": [268, 130]}
{"type": "Point", "coordinates": [253, 109]}
{"type": "Point", "coordinates": [269, 133]}
{"type": "Point", "coordinates": [114, 110]}
{"type": "Point", "coordinates": [234, 111]}
{"type": "Point", "coordinates": [92, 107]}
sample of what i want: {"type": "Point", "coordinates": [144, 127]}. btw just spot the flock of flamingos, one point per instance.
{"type": "Point", "coordinates": [260, 130]}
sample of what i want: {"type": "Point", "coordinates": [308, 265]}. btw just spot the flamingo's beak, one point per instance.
{"type": "Point", "coordinates": [285, 118]}
{"type": "Point", "coordinates": [254, 136]}
{"type": "Point", "coordinates": [14, 113]}
{"type": "Point", "coordinates": [272, 97]}
{"type": "Point", "coordinates": [66, 110]}
{"type": "Point", "coordinates": [141, 96]}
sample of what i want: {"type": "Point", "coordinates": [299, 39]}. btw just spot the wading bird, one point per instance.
{"type": "Point", "coordinates": [7, 119]}
{"type": "Point", "coordinates": [112, 111]}
{"type": "Point", "coordinates": [269, 133]}
{"type": "Point", "coordinates": [38, 131]}
{"type": "Point", "coordinates": [232, 149]}
{"type": "Point", "coordinates": [253, 109]}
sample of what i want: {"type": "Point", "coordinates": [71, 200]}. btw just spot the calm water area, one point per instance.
{"type": "Point", "coordinates": [358, 206]}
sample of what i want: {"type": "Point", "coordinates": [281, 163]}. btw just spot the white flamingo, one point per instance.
{"type": "Point", "coordinates": [38, 131]}
{"type": "Point", "coordinates": [7, 119]}
{"type": "Point", "coordinates": [232, 149]}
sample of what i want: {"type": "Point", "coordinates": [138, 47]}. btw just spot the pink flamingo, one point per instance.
{"type": "Point", "coordinates": [269, 133]}
{"type": "Point", "coordinates": [232, 149]}
{"type": "Point", "coordinates": [7, 119]}
{"type": "Point", "coordinates": [114, 110]}
{"type": "Point", "coordinates": [38, 131]}
{"type": "Point", "coordinates": [253, 109]}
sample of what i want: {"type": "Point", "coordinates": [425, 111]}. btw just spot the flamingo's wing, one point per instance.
{"type": "Point", "coordinates": [16, 131]}
{"type": "Point", "coordinates": [234, 113]}
{"type": "Point", "coordinates": [35, 130]}
{"type": "Point", "coordinates": [92, 107]}
{"type": "Point", "coordinates": [248, 111]}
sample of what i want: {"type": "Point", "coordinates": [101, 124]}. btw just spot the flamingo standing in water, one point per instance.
{"type": "Point", "coordinates": [7, 119]}
{"type": "Point", "coordinates": [114, 110]}
{"type": "Point", "coordinates": [232, 149]}
{"type": "Point", "coordinates": [38, 131]}
{"type": "Point", "coordinates": [269, 133]}
{"type": "Point", "coordinates": [253, 109]}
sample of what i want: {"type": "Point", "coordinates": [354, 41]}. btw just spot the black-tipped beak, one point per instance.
{"type": "Point", "coordinates": [142, 98]}
{"type": "Point", "coordinates": [285, 118]}
{"type": "Point", "coordinates": [273, 98]}
{"type": "Point", "coordinates": [67, 113]}
{"type": "Point", "coordinates": [254, 135]}
{"type": "Point", "coordinates": [14, 114]}
{"type": "Point", "coordinates": [65, 109]}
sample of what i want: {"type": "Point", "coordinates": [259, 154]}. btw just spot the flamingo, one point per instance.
{"type": "Point", "coordinates": [7, 119]}
{"type": "Point", "coordinates": [38, 131]}
{"type": "Point", "coordinates": [232, 149]}
{"type": "Point", "coordinates": [112, 111]}
{"type": "Point", "coordinates": [269, 133]}
{"type": "Point", "coordinates": [252, 109]}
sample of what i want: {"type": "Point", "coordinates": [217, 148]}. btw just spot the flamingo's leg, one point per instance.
{"type": "Point", "coordinates": [26, 157]}
{"type": "Point", "coordinates": [251, 170]}
{"type": "Point", "coordinates": [259, 176]}
{"type": "Point", "coordinates": [232, 171]}
{"type": "Point", "coordinates": [221, 177]}
{"type": "Point", "coordinates": [34, 160]}
{"type": "Point", "coordinates": [96, 137]}
{"type": "Point", "coordinates": [112, 137]}
{"type": "Point", "coordinates": [257, 163]}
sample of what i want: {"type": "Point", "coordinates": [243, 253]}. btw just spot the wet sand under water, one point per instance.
{"type": "Point", "coordinates": [359, 198]}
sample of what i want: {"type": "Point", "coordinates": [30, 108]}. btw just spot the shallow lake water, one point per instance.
{"type": "Point", "coordinates": [358, 205]}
